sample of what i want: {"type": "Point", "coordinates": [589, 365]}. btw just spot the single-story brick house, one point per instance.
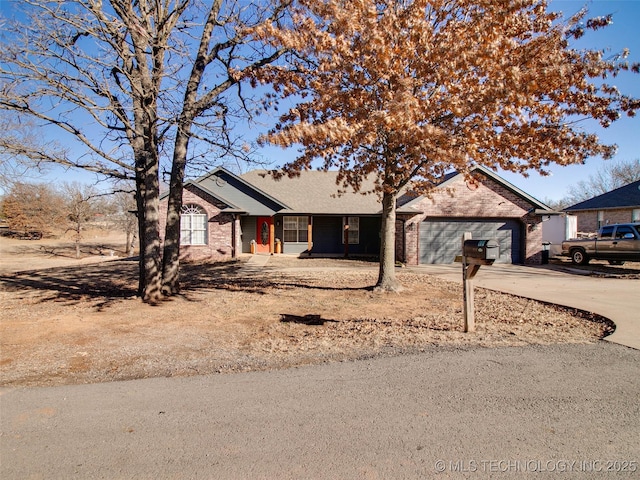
{"type": "Point", "coordinates": [226, 214]}
{"type": "Point", "coordinates": [621, 205]}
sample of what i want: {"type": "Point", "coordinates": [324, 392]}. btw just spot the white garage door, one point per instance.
{"type": "Point", "coordinates": [440, 240]}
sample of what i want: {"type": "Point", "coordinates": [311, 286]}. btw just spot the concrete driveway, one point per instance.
{"type": "Point", "coordinates": [613, 298]}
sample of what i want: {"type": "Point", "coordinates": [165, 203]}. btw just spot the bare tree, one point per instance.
{"type": "Point", "coordinates": [556, 205]}
{"type": "Point", "coordinates": [81, 204]}
{"type": "Point", "coordinates": [132, 88]}
{"type": "Point", "coordinates": [406, 90]}
{"type": "Point", "coordinates": [122, 206]}
{"type": "Point", "coordinates": [13, 166]}
{"type": "Point", "coordinates": [609, 177]}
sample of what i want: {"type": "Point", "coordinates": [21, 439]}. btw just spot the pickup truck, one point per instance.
{"type": "Point", "coordinates": [617, 243]}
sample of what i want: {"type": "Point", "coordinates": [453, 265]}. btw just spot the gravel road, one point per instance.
{"type": "Point", "coordinates": [558, 411]}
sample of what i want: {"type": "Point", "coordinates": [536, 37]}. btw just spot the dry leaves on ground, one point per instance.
{"type": "Point", "coordinates": [82, 324]}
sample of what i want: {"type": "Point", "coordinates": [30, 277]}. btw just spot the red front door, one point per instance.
{"type": "Point", "coordinates": [264, 233]}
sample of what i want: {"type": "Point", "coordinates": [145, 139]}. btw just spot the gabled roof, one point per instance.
{"type": "Point", "coordinates": [237, 192]}
{"type": "Point", "coordinates": [316, 192]}
{"type": "Point", "coordinates": [226, 176]}
{"type": "Point", "coordinates": [450, 177]}
{"type": "Point", "coordinates": [202, 188]}
{"type": "Point", "coordinates": [623, 197]}
{"type": "Point", "coordinates": [214, 195]}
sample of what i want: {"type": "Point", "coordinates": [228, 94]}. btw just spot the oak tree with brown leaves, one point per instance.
{"type": "Point", "coordinates": [32, 210]}
{"type": "Point", "coordinates": [407, 90]}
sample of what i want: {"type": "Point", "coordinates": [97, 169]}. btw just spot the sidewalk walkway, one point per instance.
{"type": "Point", "coordinates": [255, 263]}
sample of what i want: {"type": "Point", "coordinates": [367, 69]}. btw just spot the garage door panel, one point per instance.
{"type": "Point", "coordinates": [440, 240]}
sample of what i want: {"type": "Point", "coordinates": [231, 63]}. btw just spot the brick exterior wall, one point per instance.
{"type": "Point", "coordinates": [219, 228]}
{"type": "Point", "coordinates": [489, 200]}
{"type": "Point", "coordinates": [588, 219]}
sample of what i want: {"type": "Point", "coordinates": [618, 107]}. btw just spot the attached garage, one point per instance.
{"type": "Point", "coordinates": [428, 227]}
{"type": "Point", "coordinates": [440, 239]}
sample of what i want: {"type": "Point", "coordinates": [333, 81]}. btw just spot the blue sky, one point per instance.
{"type": "Point", "coordinates": [625, 133]}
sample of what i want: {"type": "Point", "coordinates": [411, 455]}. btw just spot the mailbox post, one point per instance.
{"type": "Point", "coordinates": [475, 253]}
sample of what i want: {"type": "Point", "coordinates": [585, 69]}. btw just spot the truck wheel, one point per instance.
{"type": "Point", "coordinates": [579, 257]}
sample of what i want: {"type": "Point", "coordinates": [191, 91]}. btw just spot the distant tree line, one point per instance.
{"type": "Point", "coordinates": [36, 210]}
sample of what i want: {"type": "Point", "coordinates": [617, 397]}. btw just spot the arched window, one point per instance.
{"type": "Point", "coordinates": [193, 225]}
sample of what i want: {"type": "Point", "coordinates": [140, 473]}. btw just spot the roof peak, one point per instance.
{"type": "Point", "coordinates": [625, 196]}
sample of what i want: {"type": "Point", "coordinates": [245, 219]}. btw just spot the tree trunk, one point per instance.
{"type": "Point", "coordinates": [127, 242]}
{"type": "Point", "coordinates": [150, 282]}
{"type": "Point", "coordinates": [387, 274]}
{"type": "Point", "coordinates": [141, 244]}
{"type": "Point", "coordinates": [171, 254]}
{"type": "Point", "coordinates": [132, 248]}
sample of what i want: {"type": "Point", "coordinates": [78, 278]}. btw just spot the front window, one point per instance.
{"type": "Point", "coordinates": [193, 225]}
{"type": "Point", "coordinates": [352, 225]}
{"type": "Point", "coordinates": [622, 230]}
{"type": "Point", "coordinates": [295, 229]}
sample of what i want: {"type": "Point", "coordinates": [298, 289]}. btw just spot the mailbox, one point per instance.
{"type": "Point", "coordinates": [482, 249]}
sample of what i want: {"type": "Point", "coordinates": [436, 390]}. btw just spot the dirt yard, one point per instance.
{"type": "Point", "coordinates": [68, 321]}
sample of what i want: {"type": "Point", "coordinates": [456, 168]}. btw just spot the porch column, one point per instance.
{"type": "Point", "coordinates": [272, 237]}
{"type": "Point", "coordinates": [234, 235]}
{"type": "Point", "coordinates": [345, 237]}
{"type": "Point", "coordinates": [309, 235]}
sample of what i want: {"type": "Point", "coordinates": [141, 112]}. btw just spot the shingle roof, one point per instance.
{"type": "Point", "coordinates": [235, 191]}
{"type": "Point", "coordinates": [623, 197]}
{"type": "Point", "coordinates": [315, 192]}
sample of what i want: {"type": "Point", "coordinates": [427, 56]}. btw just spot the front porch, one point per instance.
{"type": "Point", "coordinates": [326, 235]}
